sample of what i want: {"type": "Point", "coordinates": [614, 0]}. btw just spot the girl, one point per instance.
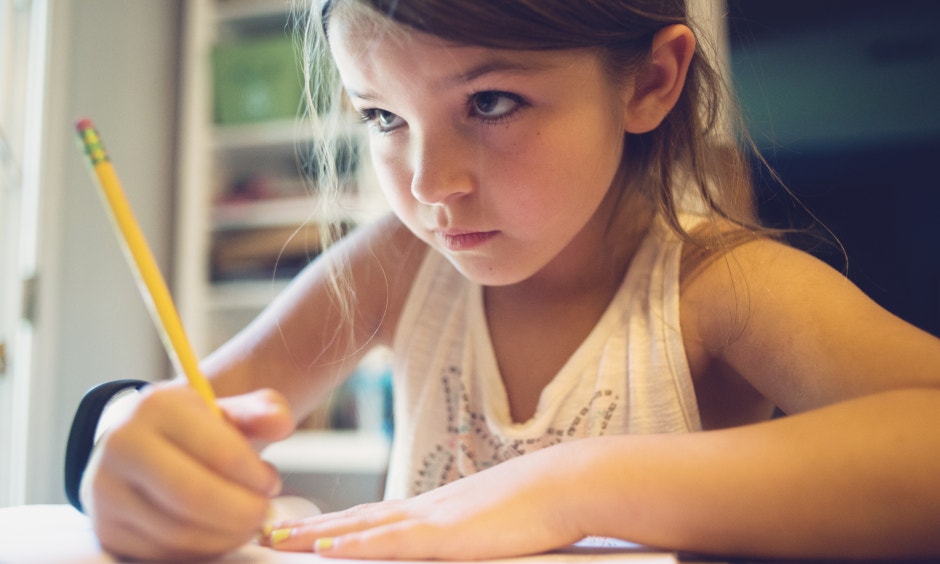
{"type": "Point", "coordinates": [590, 332]}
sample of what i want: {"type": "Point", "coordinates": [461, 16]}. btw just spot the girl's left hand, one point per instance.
{"type": "Point", "coordinates": [511, 509]}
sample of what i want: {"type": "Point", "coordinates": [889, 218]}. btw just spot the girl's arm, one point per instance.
{"type": "Point", "coordinates": [858, 471]}
{"type": "Point", "coordinates": [852, 480]}
{"type": "Point", "coordinates": [308, 340]}
{"type": "Point", "coordinates": [852, 473]}
{"type": "Point", "coordinates": [837, 482]}
{"type": "Point", "coordinates": [798, 331]}
{"type": "Point", "coordinates": [173, 481]}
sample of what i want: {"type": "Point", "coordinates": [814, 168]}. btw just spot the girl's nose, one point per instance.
{"type": "Point", "coordinates": [440, 171]}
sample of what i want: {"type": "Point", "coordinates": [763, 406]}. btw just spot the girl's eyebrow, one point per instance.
{"type": "Point", "coordinates": [495, 65]}
{"type": "Point", "coordinates": [364, 96]}
{"type": "Point", "coordinates": [490, 66]}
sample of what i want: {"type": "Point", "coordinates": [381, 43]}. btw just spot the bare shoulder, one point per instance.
{"type": "Point", "coordinates": [799, 331]}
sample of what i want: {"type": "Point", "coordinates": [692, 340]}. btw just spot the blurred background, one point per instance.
{"type": "Point", "coordinates": [842, 98]}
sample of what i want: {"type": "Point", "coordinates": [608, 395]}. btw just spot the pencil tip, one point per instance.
{"type": "Point", "coordinates": [83, 124]}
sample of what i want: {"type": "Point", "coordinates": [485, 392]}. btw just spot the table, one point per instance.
{"type": "Point", "coordinates": [47, 534]}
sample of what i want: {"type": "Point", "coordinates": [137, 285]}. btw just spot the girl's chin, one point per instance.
{"type": "Point", "coordinates": [488, 273]}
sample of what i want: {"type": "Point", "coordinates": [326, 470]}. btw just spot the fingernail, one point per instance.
{"type": "Point", "coordinates": [264, 535]}
{"type": "Point", "coordinates": [268, 523]}
{"type": "Point", "coordinates": [324, 543]}
{"type": "Point", "coordinates": [280, 535]}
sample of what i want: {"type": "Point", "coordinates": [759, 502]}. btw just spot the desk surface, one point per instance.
{"type": "Point", "coordinates": [35, 534]}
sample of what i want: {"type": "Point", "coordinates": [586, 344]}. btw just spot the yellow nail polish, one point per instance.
{"type": "Point", "coordinates": [324, 543]}
{"type": "Point", "coordinates": [280, 535]}
{"type": "Point", "coordinates": [268, 524]}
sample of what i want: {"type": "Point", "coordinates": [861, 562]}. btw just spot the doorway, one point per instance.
{"type": "Point", "coordinates": [23, 37]}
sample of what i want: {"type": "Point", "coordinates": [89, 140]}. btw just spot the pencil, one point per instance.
{"type": "Point", "coordinates": [150, 281]}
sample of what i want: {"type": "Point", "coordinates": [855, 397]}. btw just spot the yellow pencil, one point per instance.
{"type": "Point", "coordinates": [150, 282]}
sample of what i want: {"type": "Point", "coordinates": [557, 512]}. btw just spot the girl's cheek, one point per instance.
{"type": "Point", "coordinates": [393, 176]}
{"type": "Point", "coordinates": [395, 185]}
{"type": "Point", "coordinates": [397, 191]}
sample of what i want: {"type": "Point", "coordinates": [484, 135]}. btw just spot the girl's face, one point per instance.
{"type": "Point", "coordinates": [500, 160]}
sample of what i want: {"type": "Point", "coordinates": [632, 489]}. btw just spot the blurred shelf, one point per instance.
{"type": "Point", "coordinates": [252, 17]}
{"type": "Point", "coordinates": [240, 10]}
{"type": "Point", "coordinates": [274, 212]}
{"type": "Point", "coordinates": [244, 294]}
{"type": "Point", "coordinates": [350, 452]}
{"type": "Point", "coordinates": [268, 212]}
{"type": "Point", "coordinates": [280, 133]}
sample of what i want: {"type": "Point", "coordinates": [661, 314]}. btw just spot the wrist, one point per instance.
{"type": "Point", "coordinates": [86, 429]}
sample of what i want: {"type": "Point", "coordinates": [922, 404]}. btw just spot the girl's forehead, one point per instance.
{"type": "Point", "coordinates": [365, 35]}
{"type": "Point", "coordinates": [371, 48]}
{"type": "Point", "coordinates": [364, 52]}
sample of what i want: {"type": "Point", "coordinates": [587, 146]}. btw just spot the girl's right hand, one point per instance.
{"type": "Point", "coordinates": [174, 481]}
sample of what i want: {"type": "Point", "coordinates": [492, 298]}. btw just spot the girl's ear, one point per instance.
{"type": "Point", "coordinates": [657, 86]}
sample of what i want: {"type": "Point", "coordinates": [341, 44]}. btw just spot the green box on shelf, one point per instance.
{"type": "Point", "coordinates": [255, 80]}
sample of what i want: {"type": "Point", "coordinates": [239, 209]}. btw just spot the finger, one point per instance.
{"type": "Point", "coordinates": [300, 534]}
{"type": "Point", "coordinates": [217, 444]}
{"type": "Point", "coordinates": [181, 485]}
{"type": "Point", "coordinates": [403, 540]}
{"type": "Point", "coordinates": [180, 537]}
{"type": "Point", "coordinates": [263, 415]}
{"type": "Point", "coordinates": [229, 455]}
{"type": "Point", "coordinates": [418, 539]}
{"type": "Point", "coordinates": [195, 494]}
{"type": "Point", "coordinates": [128, 525]}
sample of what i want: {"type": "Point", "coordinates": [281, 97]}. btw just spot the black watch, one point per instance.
{"type": "Point", "coordinates": [82, 433]}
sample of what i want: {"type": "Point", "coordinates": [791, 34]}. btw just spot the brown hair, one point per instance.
{"type": "Point", "coordinates": [691, 162]}
{"type": "Point", "coordinates": [688, 151]}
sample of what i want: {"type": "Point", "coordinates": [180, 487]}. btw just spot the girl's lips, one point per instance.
{"type": "Point", "coordinates": [464, 241]}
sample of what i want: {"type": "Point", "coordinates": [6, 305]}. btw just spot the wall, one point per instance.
{"type": "Point", "coordinates": [115, 62]}
{"type": "Point", "coordinates": [847, 75]}
{"type": "Point", "coordinates": [843, 99]}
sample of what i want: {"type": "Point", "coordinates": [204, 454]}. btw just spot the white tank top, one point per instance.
{"type": "Point", "coordinates": [630, 375]}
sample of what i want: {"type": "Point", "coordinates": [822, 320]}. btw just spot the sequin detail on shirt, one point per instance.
{"type": "Point", "coordinates": [471, 445]}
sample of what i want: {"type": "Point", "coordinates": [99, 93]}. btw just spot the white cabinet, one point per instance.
{"type": "Point", "coordinates": [245, 218]}
{"type": "Point", "coordinates": [246, 221]}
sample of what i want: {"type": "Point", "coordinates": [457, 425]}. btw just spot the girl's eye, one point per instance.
{"type": "Point", "coordinates": [491, 105]}
{"type": "Point", "coordinates": [383, 120]}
